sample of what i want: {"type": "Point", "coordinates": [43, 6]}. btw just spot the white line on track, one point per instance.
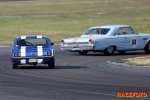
{"type": "Point", "coordinates": [115, 63]}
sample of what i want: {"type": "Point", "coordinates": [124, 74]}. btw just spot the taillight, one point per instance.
{"type": "Point", "coordinates": [49, 53]}
{"type": "Point", "coordinates": [91, 41]}
{"type": "Point", "coordinates": [62, 42]}
{"type": "Point", "coordinates": [16, 54]}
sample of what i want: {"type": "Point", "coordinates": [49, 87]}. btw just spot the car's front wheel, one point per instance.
{"type": "Point", "coordinates": [109, 50]}
{"type": "Point", "coordinates": [147, 48]}
{"type": "Point", "coordinates": [51, 65]}
{"type": "Point", "coordinates": [14, 66]}
{"type": "Point", "coordinates": [82, 52]}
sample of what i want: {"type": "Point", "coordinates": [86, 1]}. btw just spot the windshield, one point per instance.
{"type": "Point", "coordinates": [97, 31]}
{"type": "Point", "coordinates": [32, 42]}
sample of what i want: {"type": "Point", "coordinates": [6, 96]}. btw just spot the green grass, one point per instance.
{"type": "Point", "coordinates": [60, 19]}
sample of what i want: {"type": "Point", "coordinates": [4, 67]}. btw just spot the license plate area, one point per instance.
{"type": "Point", "coordinates": [32, 60]}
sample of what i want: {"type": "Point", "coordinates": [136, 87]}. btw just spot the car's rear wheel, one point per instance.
{"type": "Point", "coordinates": [14, 66]}
{"type": "Point", "coordinates": [147, 48]}
{"type": "Point", "coordinates": [82, 52]}
{"type": "Point", "coordinates": [51, 65]}
{"type": "Point", "coordinates": [121, 52]}
{"type": "Point", "coordinates": [109, 50]}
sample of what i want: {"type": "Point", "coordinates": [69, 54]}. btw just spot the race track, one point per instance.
{"type": "Point", "coordinates": [91, 77]}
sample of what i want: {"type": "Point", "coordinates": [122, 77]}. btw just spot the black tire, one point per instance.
{"type": "Point", "coordinates": [121, 52]}
{"type": "Point", "coordinates": [51, 65]}
{"type": "Point", "coordinates": [147, 48]}
{"type": "Point", "coordinates": [14, 66]}
{"type": "Point", "coordinates": [109, 50]}
{"type": "Point", "coordinates": [82, 52]}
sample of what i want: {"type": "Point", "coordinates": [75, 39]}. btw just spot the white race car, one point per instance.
{"type": "Point", "coordinates": [108, 39]}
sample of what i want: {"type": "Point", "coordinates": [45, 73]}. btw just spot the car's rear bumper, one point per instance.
{"type": "Point", "coordinates": [32, 60]}
{"type": "Point", "coordinates": [77, 48]}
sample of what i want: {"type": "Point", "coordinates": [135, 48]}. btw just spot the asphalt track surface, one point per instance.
{"type": "Point", "coordinates": [75, 77]}
{"type": "Point", "coordinates": [91, 77]}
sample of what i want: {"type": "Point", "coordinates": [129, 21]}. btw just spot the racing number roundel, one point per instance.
{"type": "Point", "coordinates": [134, 42]}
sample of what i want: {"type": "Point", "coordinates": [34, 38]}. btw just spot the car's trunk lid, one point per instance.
{"type": "Point", "coordinates": [33, 51]}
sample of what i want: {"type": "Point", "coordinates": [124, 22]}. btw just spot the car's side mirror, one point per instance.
{"type": "Point", "coordinates": [52, 43]}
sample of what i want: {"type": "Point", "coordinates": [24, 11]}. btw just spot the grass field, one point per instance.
{"type": "Point", "coordinates": [60, 19]}
{"type": "Point", "coordinates": [138, 62]}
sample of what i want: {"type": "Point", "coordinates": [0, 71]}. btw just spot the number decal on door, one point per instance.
{"type": "Point", "coordinates": [134, 42]}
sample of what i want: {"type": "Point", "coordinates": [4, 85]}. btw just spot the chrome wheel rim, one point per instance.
{"type": "Point", "coordinates": [110, 49]}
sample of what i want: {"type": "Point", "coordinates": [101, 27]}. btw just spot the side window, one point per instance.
{"type": "Point", "coordinates": [119, 32]}
{"type": "Point", "coordinates": [22, 42]}
{"type": "Point", "coordinates": [132, 31]}
{"type": "Point", "coordinates": [127, 30]}
{"type": "Point", "coordinates": [97, 31]}
{"type": "Point", "coordinates": [103, 31]}
{"type": "Point", "coordinates": [91, 32]}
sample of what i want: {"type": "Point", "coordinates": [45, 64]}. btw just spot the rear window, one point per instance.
{"type": "Point", "coordinates": [32, 42]}
{"type": "Point", "coordinates": [97, 31]}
